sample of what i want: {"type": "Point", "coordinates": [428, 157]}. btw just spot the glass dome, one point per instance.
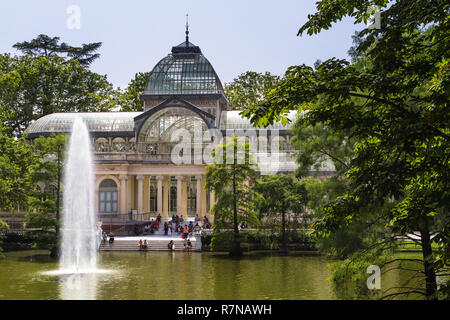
{"type": "Point", "coordinates": [184, 71]}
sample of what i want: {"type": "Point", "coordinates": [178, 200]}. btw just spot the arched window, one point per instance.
{"type": "Point", "coordinates": [107, 196]}
{"type": "Point", "coordinates": [101, 145]}
{"type": "Point", "coordinates": [132, 145]}
{"type": "Point", "coordinates": [52, 191]}
{"type": "Point", "coordinates": [118, 145]}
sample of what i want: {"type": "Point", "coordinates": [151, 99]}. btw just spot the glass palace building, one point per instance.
{"type": "Point", "coordinates": [136, 177]}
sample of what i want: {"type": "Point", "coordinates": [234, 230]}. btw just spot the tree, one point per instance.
{"type": "Point", "coordinates": [32, 87]}
{"type": "Point", "coordinates": [282, 194]}
{"type": "Point", "coordinates": [400, 126]}
{"type": "Point", "coordinates": [129, 100]}
{"type": "Point", "coordinates": [249, 88]}
{"type": "Point", "coordinates": [51, 152]}
{"type": "Point", "coordinates": [45, 204]}
{"type": "Point", "coordinates": [318, 146]}
{"type": "Point", "coordinates": [45, 46]}
{"type": "Point", "coordinates": [229, 177]}
{"type": "Point", "coordinates": [17, 162]}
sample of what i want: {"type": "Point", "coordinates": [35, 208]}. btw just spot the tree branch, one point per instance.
{"type": "Point", "coordinates": [402, 293]}
{"type": "Point", "coordinates": [335, 158]}
{"type": "Point", "coordinates": [435, 130]}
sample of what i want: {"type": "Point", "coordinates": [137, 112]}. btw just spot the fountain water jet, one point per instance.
{"type": "Point", "coordinates": [79, 231]}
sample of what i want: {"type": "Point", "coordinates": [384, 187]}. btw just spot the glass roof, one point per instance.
{"type": "Point", "coordinates": [233, 120]}
{"type": "Point", "coordinates": [124, 121]}
{"type": "Point", "coordinates": [96, 122]}
{"type": "Point", "coordinates": [184, 71]}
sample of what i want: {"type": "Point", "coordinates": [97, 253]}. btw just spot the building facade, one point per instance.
{"type": "Point", "coordinates": [136, 174]}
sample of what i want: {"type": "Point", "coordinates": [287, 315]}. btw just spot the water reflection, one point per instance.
{"type": "Point", "coordinates": [78, 287]}
{"type": "Point", "coordinates": [170, 275]}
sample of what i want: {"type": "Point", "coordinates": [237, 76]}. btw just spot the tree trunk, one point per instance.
{"type": "Point", "coordinates": [283, 232]}
{"type": "Point", "coordinates": [236, 249]}
{"type": "Point", "coordinates": [430, 274]}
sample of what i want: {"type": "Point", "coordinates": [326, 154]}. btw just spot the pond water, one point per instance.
{"type": "Point", "coordinates": [169, 276]}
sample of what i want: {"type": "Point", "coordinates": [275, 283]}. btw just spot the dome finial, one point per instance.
{"type": "Point", "coordinates": [187, 29]}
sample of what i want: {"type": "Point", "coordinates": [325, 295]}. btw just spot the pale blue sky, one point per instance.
{"type": "Point", "coordinates": [235, 35]}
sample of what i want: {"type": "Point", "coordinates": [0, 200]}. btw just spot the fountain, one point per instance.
{"type": "Point", "coordinates": [80, 232]}
{"type": "Point", "coordinates": [80, 238]}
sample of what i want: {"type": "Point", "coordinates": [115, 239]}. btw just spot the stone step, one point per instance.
{"type": "Point", "coordinates": [154, 245]}
{"type": "Point", "coordinates": [151, 249]}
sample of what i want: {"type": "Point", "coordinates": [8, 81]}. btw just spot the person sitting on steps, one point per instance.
{"type": "Point", "coordinates": [111, 238]}
{"type": "Point", "coordinates": [171, 245]}
{"type": "Point", "coordinates": [188, 245]}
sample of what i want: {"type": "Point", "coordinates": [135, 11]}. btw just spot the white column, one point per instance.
{"type": "Point", "coordinates": [140, 179]}
{"type": "Point", "coordinates": [179, 189]}
{"type": "Point", "coordinates": [199, 195]}
{"type": "Point", "coordinates": [160, 194]}
{"type": "Point", "coordinates": [123, 193]}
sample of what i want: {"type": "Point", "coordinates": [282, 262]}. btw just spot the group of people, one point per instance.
{"type": "Point", "coordinates": [148, 228]}
{"type": "Point", "coordinates": [187, 245]}
{"type": "Point", "coordinates": [143, 245]}
{"type": "Point", "coordinates": [177, 224]}
{"type": "Point", "coordinates": [184, 230]}
{"type": "Point", "coordinates": [105, 237]}
{"type": "Point", "coordinates": [206, 223]}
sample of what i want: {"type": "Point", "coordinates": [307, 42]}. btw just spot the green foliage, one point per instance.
{"type": "Point", "coordinates": [17, 162]}
{"type": "Point", "coordinates": [282, 195]}
{"type": "Point", "coordinates": [249, 88]}
{"type": "Point", "coordinates": [32, 87]}
{"type": "Point", "coordinates": [45, 46]}
{"type": "Point", "coordinates": [349, 277]}
{"type": "Point", "coordinates": [230, 180]}
{"type": "Point", "coordinates": [393, 101]}
{"type": "Point", "coordinates": [45, 204]}
{"type": "Point", "coordinates": [16, 166]}
{"type": "Point", "coordinates": [223, 240]}
{"type": "Point", "coordinates": [42, 239]}
{"type": "Point", "coordinates": [259, 239]}
{"type": "Point", "coordinates": [129, 99]}
{"type": "Point", "coordinates": [318, 144]}
{"type": "Point", "coordinates": [321, 191]}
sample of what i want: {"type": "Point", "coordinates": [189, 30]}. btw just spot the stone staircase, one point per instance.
{"type": "Point", "coordinates": [154, 244]}
{"type": "Point", "coordinates": [156, 241]}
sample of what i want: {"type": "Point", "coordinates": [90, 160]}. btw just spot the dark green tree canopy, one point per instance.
{"type": "Point", "coordinates": [32, 87]}
{"type": "Point", "coordinates": [45, 46]}
{"type": "Point", "coordinates": [129, 99]}
{"type": "Point", "coordinates": [393, 102]}
{"type": "Point", "coordinates": [249, 88]}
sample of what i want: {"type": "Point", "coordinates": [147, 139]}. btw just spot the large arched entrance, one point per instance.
{"type": "Point", "coordinates": [156, 135]}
